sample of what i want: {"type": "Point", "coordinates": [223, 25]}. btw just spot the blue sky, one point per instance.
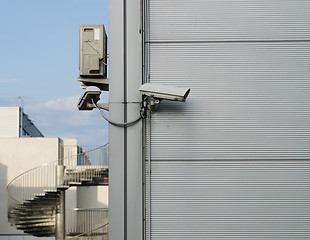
{"type": "Point", "coordinates": [39, 62]}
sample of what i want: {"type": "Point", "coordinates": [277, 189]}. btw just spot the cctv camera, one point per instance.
{"type": "Point", "coordinates": [91, 93]}
{"type": "Point", "coordinates": [159, 91]}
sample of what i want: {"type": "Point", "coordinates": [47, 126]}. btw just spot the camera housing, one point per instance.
{"type": "Point", "coordinates": [167, 92]}
{"type": "Point", "coordinates": [85, 102]}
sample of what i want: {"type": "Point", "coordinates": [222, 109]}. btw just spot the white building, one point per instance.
{"type": "Point", "coordinates": [28, 158]}
{"type": "Point", "coordinates": [15, 123]}
{"type": "Point", "coordinates": [233, 161]}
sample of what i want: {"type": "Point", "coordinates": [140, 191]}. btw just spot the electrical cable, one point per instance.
{"type": "Point", "coordinates": [82, 234]}
{"type": "Point", "coordinates": [94, 49]}
{"type": "Point", "coordinates": [115, 123]}
{"type": "Point", "coordinates": [99, 55]}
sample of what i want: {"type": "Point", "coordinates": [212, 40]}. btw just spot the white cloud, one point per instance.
{"type": "Point", "coordinates": [8, 80]}
{"type": "Point", "coordinates": [62, 104]}
{"type": "Point", "coordinates": [61, 118]}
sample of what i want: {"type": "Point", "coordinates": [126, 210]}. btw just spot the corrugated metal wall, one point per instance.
{"type": "Point", "coordinates": [233, 162]}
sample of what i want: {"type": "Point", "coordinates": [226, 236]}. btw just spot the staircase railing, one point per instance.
{"type": "Point", "coordinates": [82, 223]}
{"type": "Point", "coordinates": [37, 181]}
{"type": "Point", "coordinates": [86, 166]}
{"type": "Point", "coordinates": [33, 182]}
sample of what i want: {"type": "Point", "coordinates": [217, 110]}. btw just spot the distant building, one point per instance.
{"type": "Point", "coordinates": [22, 148]}
{"type": "Point", "coordinates": [15, 123]}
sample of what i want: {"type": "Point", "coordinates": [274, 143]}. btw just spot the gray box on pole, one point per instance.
{"type": "Point", "coordinates": [93, 51]}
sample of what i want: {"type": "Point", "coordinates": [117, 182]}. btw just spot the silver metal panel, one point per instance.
{"type": "Point", "coordinates": [230, 200]}
{"type": "Point", "coordinates": [222, 20]}
{"type": "Point", "coordinates": [125, 148]}
{"type": "Point", "coordinates": [246, 101]}
{"type": "Point", "coordinates": [116, 175]}
{"type": "Point", "coordinates": [134, 52]}
{"type": "Point", "coordinates": [29, 129]}
{"type": "Point", "coordinates": [116, 46]}
{"type": "Point", "coordinates": [134, 176]}
{"type": "Point", "coordinates": [233, 161]}
{"type": "Point", "coordinates": [116, 135]}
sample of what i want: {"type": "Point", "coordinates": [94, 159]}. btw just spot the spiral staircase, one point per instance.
{"type": "Point", "coordinates": [34, 196]}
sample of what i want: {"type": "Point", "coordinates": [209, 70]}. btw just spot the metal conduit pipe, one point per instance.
{"type": "Point", "coordinates": [149, 175]}
{"type": "Point", "coordinates": [61, 208]}
{"type": "Point", "coordinates": [147, 80]}
{"type": "Point", "coordinates": [60, 216]}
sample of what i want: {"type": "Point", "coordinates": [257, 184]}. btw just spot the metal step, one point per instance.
{"type": "Point", "coordinates": [37, 215]}
{"type": "Point", "coordinates": [36, 228]}
{"type": "Point", "coordinates": [41, 232]}
{"type": "Point", "coordinates": [35, 206]}
{"type": "Point", "coordinates": [29, 218]}
{"type": "Point", "coordinates": [75, 183]}
{"type": "Point", "coordinates": [47, 191]}
{"type": "Point", "coordinates": [64, 187]}
{"type": "Point", "coordinates": [37, 222]}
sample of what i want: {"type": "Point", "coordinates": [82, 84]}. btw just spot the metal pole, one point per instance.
{"type": "Point", "coordinates": [147, 79]}
{"type": "Point", "coordinates": [21, 122]}
{"type": "Point", "coordinates": [149, 175]}
{"type": "Point", "coordinates": [21, 115]}
{"type": "Point", "coordinates": [61, 207]}
{"type": "Point", "coordinates": [60, 217]}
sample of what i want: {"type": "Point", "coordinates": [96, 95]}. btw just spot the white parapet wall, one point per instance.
{"type": "Point", "coordinates": [18, 155]}
{"type": "Point", "coordinates": [15, 123]}
{"type": "Point", "coordinates": [93, 197]}
{"type": "Point", "coordinates": [9, 126]}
